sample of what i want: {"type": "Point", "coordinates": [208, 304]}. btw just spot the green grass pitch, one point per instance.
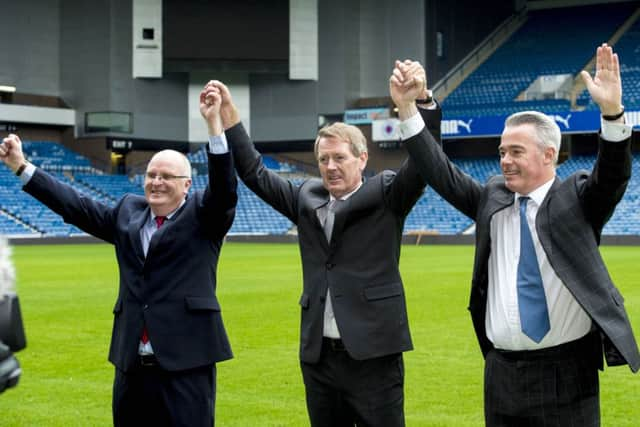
{"type": "Point", "coordinates": [67, 294]}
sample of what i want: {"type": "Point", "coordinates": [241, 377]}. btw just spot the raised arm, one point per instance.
{"type": "Point", "coordinates": [407, 82]}
{"type": "Point", "coordinates": [606, 184]}
{"type": "Point", "coordinates": [220, 196]}
{"type": "Point", "coordinates": [75, 208]}
{"type": "Point", "coordinates": [605, 87]}
{"type": "Point", "coordinates": [268, 185]}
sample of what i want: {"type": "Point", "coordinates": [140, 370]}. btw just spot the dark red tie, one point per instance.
{"type": "Point", "coordinates": [145, 337]}
{"type": "Point", "coordinates": [160, 220]}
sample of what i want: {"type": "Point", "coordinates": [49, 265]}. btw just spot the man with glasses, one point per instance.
{"type": "Point", "coordinates": [168, 332]}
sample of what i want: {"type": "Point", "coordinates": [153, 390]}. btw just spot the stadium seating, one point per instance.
{"type": "Point", "coordinates": [199, 157]}
{"type": "Point", "coordinates": [21, 215]}
{"type": "Point", "coordinates": [543, 46]}
{"type": "Point", "coordinates": [626, 218]}
{"type": "Point", "coordinates": [628, 49]}
{"type": "Point", "coordinates": [253, 216]}
{"type": "Point", "coordinates": [55, 157]}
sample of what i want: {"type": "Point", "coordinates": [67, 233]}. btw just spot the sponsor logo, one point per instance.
{"type": "Point", "coordinates": [365, 115]}
{"type": "Point", "coordinates": [453, 126]}
{"type": "Point", "coordinates": [562, 120]}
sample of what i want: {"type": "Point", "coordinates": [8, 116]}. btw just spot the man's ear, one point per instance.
{"type": "Point", "coordinates": [549, 155]}
{"type": "Point", "coordinates": [363, 159]}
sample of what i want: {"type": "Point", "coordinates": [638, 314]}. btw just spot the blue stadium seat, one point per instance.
{"type": "Point", "coordinates": [543, 46]}
{"type": "Point", "coordinates": [21, 215]}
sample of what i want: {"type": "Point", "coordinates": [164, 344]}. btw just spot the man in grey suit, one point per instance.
{"type": "Point", "coordinates": [354, 318]}
{"type": "Point", "coordinates": [542, 302]}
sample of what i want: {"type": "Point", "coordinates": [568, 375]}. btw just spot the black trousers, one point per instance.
{"type": "Point", "coordinates": [552, 387]}
{"type": "Point", "coordinates": [151, 396]}
{"type": "Point", "coordinates": [344, 392]}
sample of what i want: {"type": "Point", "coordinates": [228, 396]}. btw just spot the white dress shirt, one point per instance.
{"type": "Point", "coordinates": [567, 318]}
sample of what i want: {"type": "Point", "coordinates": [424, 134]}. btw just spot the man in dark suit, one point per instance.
{"type": "Point", "coordinates": [354, 319]}
{"type": "Point", "coordinates": [168, 332]}
{"type": "Point", "coordinates": [542, 302]}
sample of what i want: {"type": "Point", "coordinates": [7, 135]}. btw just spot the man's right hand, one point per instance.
{"type": "Point", "coordinates": [407, 82]}
{"type": "Point", "coordinates": [11, 152]}
{"type": "Point", "coordinates": [210, 101]}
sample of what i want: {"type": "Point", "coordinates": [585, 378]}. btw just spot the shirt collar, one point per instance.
{"type": "Point", "coordinates": [346, 196]}
{"type": "Point", "coordinates": [539, 193]}
{"type": "Point", "coordinates": [172, 213]}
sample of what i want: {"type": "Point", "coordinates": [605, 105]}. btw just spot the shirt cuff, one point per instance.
{"type": "Point", "coordinates": [614, 132]}
{"type": "Point", "coordinates": [411, 127]}
{"type": "Point", "coordinates": [27, 173]}
{"type": "Point", "coordinates": [218, 144]}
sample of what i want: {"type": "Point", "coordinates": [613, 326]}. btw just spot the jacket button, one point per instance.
{"type": "Point", "coordinates": [144, 307]}
{"type": "Point", "coordinates": [329, 266]}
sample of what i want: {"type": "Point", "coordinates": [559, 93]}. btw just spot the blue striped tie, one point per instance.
{"type": "Point", "coordinates": [534, 316]}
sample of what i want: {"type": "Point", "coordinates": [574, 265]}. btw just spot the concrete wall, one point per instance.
{"type": "Point", "coordinates": [81, 51]}
{"type": "Point", "coordinates": [30, 46]}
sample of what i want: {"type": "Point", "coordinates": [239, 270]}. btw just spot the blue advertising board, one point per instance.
{"type": "Point", "coordinates": [568, 121]}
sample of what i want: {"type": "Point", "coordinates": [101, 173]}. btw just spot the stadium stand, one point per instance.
{"type": "Point", "coordinates": [55, 157]}
{"type": "Point", "coordinates": [199, 157]}
{"type": "Point", "coordinates": [628, 49]}
{"type": "Point", "coordinates": [543, 46]}
{"type": "Point", "coordinates": [626, 218]}
{"type": "Point", "coordinates": [21, 215]}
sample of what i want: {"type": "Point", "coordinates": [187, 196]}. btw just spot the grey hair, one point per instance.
{"type": "Point", "coordinates": [348, 133]}
{"type": "Point", "coordinates": [7, 272]}
{"type": "Point", "coordinates": [547, 130]}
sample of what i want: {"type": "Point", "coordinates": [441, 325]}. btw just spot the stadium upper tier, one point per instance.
{"type": "Point", "coordinates": [628, 48]}
{"type": "Point", "coordinates": [550, 42]}
{"type": "Point", "coordinates": [21, 215]}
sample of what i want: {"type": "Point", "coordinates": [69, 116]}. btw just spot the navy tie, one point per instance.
{"type": "Point", "coordinates": [534, 316]}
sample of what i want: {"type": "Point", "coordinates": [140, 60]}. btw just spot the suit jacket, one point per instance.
{"type": "Point", "coordinates": [173, 289]}
{"type": "Point", "coordinates": [359, 265]}
{"type": "Point", "coordinates": [569, 224]}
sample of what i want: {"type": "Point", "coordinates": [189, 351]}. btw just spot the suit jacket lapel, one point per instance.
{"type": "Point", "coordinates": [543, 224]}
{"type": "Point", "coordinates": [159, 234]}
{"type": "Point", "coordinates": [499, 200]}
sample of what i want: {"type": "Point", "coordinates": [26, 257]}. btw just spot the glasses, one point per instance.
{"type": "Point", "coordinates": [151, 176]}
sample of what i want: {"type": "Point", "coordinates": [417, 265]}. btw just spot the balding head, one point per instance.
{"type": "Point", "coordinates": [167, 181]}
